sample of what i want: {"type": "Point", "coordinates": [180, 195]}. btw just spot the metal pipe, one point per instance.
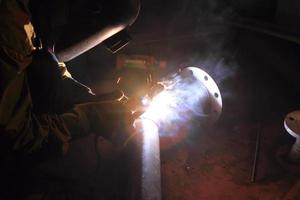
{"type": "Point", "coordinates": [256, 155]}
{"type": "Point", "coordinates": [150, 159]}
{"type": "Point", "coordinates": [292, 126]}
{"type": "Point", "coordinates": [190, 91]}
{"type": "Point", "coordinates": [265, 28]}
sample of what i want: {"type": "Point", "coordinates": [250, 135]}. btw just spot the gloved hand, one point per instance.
{"type": "Point", "coordinates": [105, 118]}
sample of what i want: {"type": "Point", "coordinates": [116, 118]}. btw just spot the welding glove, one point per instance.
{"type": "Point", "coordinates": [105, 118]}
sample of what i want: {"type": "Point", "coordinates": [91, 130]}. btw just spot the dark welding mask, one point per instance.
{"type": "Point", "coordinates": [75, 26]}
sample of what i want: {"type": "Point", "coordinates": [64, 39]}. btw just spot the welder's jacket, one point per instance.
{"type": "Point", "coordinates": [22, 130]}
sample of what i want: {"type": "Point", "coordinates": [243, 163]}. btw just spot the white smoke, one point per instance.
{"type": "Point", "coordinates": [184, 97]}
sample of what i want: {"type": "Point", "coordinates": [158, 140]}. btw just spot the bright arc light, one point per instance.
{"type": "Point", "coordinates": [147, 127]}
{"type": "Point", "coordinates": [188, 93]}
{"type": "Point", "coordinates": [160, 106]}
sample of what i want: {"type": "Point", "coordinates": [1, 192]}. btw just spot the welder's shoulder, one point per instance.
{"type": "Point", "coordinates": [16, 33]}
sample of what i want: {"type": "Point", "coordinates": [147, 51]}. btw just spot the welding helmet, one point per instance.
{"type": "Point", "coordinates": [74, 26]}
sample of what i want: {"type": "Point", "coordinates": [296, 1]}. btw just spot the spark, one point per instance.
{"type": "Point", "coordinates": [119, 79]}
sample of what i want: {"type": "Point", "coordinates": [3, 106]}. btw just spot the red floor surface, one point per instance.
{"type": "Point", "coordinates": [218, 164]}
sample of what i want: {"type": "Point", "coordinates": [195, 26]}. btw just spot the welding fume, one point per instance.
{"type": "Point", "coordinates": [184, 95]}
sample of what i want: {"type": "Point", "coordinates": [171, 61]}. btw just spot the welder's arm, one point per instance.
{"type": "Point", "coordinates": [50, 134]}
{"type": "Point", "coordinates": [54, 90]}
{"type": "Point", "coordinates": [74, 92]}
{"type": "Point", "coordinates": [98, 117]}
{"type": "Point", "coordinates": [26, 132]}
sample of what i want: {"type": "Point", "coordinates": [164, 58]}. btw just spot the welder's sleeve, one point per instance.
{"type": "Point", "coordinates": [25, 131]}
{"type": "Point", "coordinates": [54, 90]}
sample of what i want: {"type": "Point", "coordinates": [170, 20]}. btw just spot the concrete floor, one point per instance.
{"type": "Point", "coordinates": [218, 165]}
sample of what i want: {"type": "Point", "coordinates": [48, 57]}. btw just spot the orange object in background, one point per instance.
{"type": "Point", "coordinates": [139, 61]}
{"type": "Point", "coordinates": [137, 73]}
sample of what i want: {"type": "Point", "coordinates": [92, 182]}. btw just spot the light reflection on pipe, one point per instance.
{"type": "Point", "coordinates": [151, 177]}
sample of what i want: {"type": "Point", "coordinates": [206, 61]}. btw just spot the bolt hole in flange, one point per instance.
{"type": "Point", "coordinates": [208, 97]}
{"type": "Point", "coordinates": [212, 89]}
{"type": "Point", "coordinates": [291, 118]}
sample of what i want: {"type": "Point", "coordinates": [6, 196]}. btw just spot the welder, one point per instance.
{"type": "Point", "coordinates": [42, 108]}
